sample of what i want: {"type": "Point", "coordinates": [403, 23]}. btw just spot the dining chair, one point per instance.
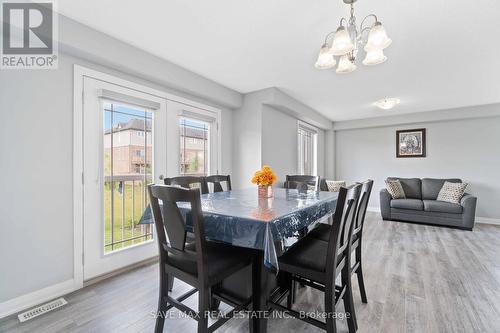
{"type": "Point", "coordinates": [202, 264]}
{"type": "Point", "coordinates": [295, 182]}
{"type": "Point", "coordinates": [317, 264]}
{"type": "Point", "coordinates": [292, 181]}
{"type": "Point", "coordinates": [322, 232]}
{"type": "Point", "coordinates": [216, 181]}
{"type": "Point", "coordinates": [188, 182]}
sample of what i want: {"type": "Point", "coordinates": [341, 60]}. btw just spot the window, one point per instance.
{"type": "Point", "coordinates": [126, 175]}
{"type": "Point", "coordinates": [307, 149]}
{"type": "Point", "coordinates": [194, 147]}
{"type": "Point", "coordinates": [196, 135]}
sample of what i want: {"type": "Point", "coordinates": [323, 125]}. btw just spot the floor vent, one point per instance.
{"type": "Point", "coordinates": [40, 310]}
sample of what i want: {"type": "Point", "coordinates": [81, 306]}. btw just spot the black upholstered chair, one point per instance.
{"type": "Point", "coordinates": [188, 182]}
{"type": "Point", "coordinates": [293, 180]}
{"type": "Point", "coordinates": [322, 231]}
{"type": "Point", "coordinates": [216, 180]}
{"type": "Point", "coordinates": [202, 264]}
{"type": "Point", "coordinates": [317, 264]}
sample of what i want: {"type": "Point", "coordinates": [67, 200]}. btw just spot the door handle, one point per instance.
{"type": "Point", "coordinates": [161, 177]}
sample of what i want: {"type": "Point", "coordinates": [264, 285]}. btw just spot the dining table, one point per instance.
{"type": "Point", "coordinates": [267, 225]}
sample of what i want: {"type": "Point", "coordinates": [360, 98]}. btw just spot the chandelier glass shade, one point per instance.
{"type": "Point", "coordinates": [342, 43]}
{"type": "Point", "coordinates": [345, 65]}
{"type": "Point", "coordinates": [325, 58]}
{"type": "Point", "coordinates": [377, 38]}
{"type": "Point", "coordinates": [347, 40]}
{"type": "Point", "coordinates": [374, 57]}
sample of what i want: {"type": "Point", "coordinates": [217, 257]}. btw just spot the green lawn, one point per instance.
{"type": "Point", "coordinates": [129, 226]}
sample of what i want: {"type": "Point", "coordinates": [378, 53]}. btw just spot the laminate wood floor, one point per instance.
{"type": "Point", "coordinates": [418, 279]}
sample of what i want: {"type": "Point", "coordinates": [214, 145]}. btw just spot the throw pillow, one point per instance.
{"type": "Point", "coordinates": [452, 192]}
{"type": "Point", "coordinates": [395, 189]}
{"type": "Point", "coordinates": [334, 185]}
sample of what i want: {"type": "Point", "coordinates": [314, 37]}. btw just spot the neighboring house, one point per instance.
{"type": "Point", "coordinates": [131, 142]}
{"type": "Point", "coordinates": [194, 150]}
{"type": "Point", "coordinates": [132, 148]}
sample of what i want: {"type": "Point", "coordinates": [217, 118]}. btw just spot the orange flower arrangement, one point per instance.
{"type": "Point", "coordinates": [264, 176]}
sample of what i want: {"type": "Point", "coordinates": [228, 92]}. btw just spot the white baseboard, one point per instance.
{"type": "Point", "coordinates": [23, 302]}
{"type": "Point", "coordinates": [483, 220]}
{"type": "Point", "coordinates": [487, 220]}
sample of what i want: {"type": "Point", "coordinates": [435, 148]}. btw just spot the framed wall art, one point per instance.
{"type": "Point", "coordinates": [410, 143]}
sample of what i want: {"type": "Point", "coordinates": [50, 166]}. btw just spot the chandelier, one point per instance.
{"type": "Point", "coordinates": [348, 39]}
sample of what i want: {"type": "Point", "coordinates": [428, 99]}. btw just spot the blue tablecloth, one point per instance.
{"type": "Point", "coordinates": [242, 219]}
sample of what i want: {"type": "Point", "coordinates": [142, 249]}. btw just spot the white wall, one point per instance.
{"type": "Point", "coordinates": [36, 192]}
{"type": "Point", "coordinates": [329, 172]}
{"type": "Point", "coordinates": [279, 142]}
{"type": "Point", "coordinates": [247, 138]}
{"type": "Point", "coordinates": [265, 132]}
{"type": "Point", "coordinates": [467, 149]}
{"type": "Point", "coordinates": [323, 155]}
{"type": "Point", "coordinates": [226, 126]}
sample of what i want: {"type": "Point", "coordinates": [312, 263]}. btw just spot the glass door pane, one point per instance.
{"type": "Point", "coordinates": [194, 147]}
{"type": "Point", "coordinates": [127, 158]}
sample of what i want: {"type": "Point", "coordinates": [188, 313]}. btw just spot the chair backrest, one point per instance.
{"type": "Point", "coordinates": [342, 227]}
{"type": "Point", "coordinates": [217, 179]}
{"type": "Point", "coordinates": [174, 223]}
{"type": "Point", "coordinates": [188, 182]}
{"type": "Point", "coordinates": [293, 180]}
{"type": "Point", "coordinates": [362, 206]}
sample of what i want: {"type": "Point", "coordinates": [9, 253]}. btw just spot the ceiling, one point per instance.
{"type": "Point", "coordinates": [445, 53]}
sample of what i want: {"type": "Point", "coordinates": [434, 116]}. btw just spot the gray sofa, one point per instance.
{"type": "Point", "coordinates": [421, 205]}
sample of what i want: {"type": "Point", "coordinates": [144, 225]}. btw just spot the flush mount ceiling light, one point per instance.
{"type": "Point", "coordinates": [387, 103]}
{"type": "Point", "coordinates": [346, 41]}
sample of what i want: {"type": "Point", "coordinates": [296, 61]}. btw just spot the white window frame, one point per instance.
{"type": "Point", "coordinates": [314, 132]}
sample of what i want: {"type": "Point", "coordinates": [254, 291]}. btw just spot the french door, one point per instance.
{"type": "Point", "coordinates": [124, 149]}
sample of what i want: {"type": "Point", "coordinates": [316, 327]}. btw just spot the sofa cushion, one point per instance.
{"type": "Point", "coordinates": [442, 207]}
{"type": "Point", "coordinates": [413, 204]}
{"type": "Point", "coordinates": [411, 186]}
{"type": "Point", "coordinates": [334, 185]}
{"type": "Point", "coordinates": [432, 186]}
{"type": "Point", "coordinates": [395, 189]}
{"type": "Point", "coordinates": [452, 192]}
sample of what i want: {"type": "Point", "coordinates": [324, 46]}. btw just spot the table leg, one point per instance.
{"type": "Point", "coordinates": [260, 273]}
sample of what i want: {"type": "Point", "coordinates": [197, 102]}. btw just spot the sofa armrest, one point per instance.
{"type": "Point", "coordinates": [468, 204]}
{"type": "Point", "coordinates": [385, 204]}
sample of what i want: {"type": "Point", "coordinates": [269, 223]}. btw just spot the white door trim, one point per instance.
{"type": "Point", "coordinates": [79, 73]}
